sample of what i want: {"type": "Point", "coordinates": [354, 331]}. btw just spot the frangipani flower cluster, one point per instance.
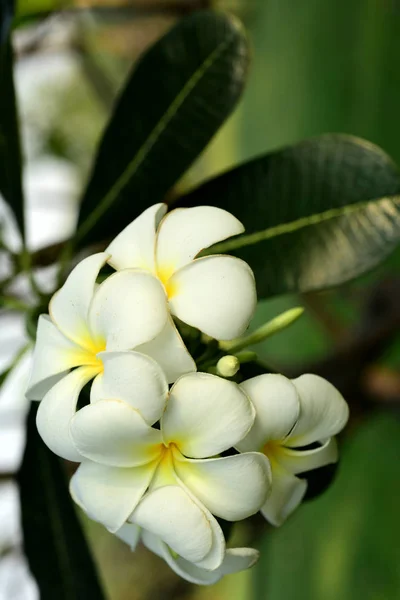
{"type": "Point", "coordinates": [160, 463]}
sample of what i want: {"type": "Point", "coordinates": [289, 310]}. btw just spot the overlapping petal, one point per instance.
{"type": "Point", "coordinates": [216, 294]}
{"type": "Point", "coordinates": [184, 232]}
{"type": "Point", "coordinates": [169, 513]}
{"type": "Point", "coordinates": [300, 461]}
{"type": "Point", "coordinates": [170, 352]}
{"type": "Point", "coordinates": [56, 410]}
{"type": "Point", "coordinates": [109, 494]}
{"type": "Point", "coordinates": [129, 308]}
{"type": "Point", "coordinates": [232, 488]}
{"type": "Point", "coordinates": [70, 304]}
{"type": "Point", "coordinates": [54, 355]}
{"type": "Point", "coordinates": [323, 411]}
{"type": "Point", "coordinates": [134, 378]}
{"type": "Point", "coordinates": [206, 415]}
{"type": "Point", "coordinates": [134, 247]}
{"type": "Point", "coordinates": [113, 433]}
{"type": "Point", "coordinates": [286, 494]}
{"type": "Point", "coordinates": [277, 405]}
{"type": "Point", "coordinates": [130, 534]}
{"type": "Point", "coordinates": [236, 559]}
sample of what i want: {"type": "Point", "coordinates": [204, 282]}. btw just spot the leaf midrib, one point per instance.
{"type": "Point", "coordinates": [292, 226]}
{"type": "Point", "coordinates": [151, 140]}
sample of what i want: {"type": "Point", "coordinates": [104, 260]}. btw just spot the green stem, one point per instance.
{"type": "Point", "coordinates": [277, 324]}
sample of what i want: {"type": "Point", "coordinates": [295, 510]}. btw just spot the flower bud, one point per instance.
{"type": "Point", "coordinates": [228, 366]}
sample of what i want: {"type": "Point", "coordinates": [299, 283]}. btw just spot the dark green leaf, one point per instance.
{"type": "Point", "coordinates": [177, 97]}
{"type": "Point", "coordinates": [316, 214]}
{"type": "Point", "coordinates": [10, 153]}
{"type": "Point", "coordinates": [345, 545]}
{"type": "Point", "coordinates": [57, 551]}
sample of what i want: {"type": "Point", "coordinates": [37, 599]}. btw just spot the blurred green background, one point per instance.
{"type": "Point", "coordinates": [318, 67]}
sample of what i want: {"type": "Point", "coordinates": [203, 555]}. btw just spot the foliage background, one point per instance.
{"type": "Point", "coordinates": [317, 67]}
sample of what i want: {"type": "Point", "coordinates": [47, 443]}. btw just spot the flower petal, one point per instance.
{"type": "Point", "coordinates": [129, 308]}
{"type": "Point", "coordinates": [286, 494]}
{"type": "Point", "coordinates": [134, 247]}
{"type": "Point", "coordinates": [232, 488]}
{"type": "Point", "coordinates": [170, 352]}
{"type": "Point", "coordinates": [299, 461]}
{"type": "Point", "coordinates": [109, 494]}
{"type": "Point", "coordinates": [53, 356]}
{"type": "Point", "coordinates": [112, 433]}
{"type": "Point", "coordinates": [216, 294]}
{"type": "Point", "coordinates": [236, 559]}
{"type": "Point", "coordinates": [277, 407]}
{"type": "Point", "coordinates": [130, 534]}
{"type": "Point", "coordinates": [57, 409]}
{"type": "Point", "coordinates": [170, 513]}
{"type": "Point", "coordinates": [69, 306]}
{"type": "Point", "coordinates": [323, 411]}
{"type": "Point", "coordinates": [184, 232]}
{"type": "Point", "coordinates": [216, 554]}
{"type": "Point", "coordinates": [206, 415]}
{"type": "Point", "coordinates": [134, 378]}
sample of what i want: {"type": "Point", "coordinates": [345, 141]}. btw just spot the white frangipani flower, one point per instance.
{"type": "Point", "coordinates": [291, 416]}
{"type": "Point", "coordinates": [87, 324]}
{"type": "Point", "coordinates": [164, 480]}
{"type": "Point", "coordinates": [235, 559]}
{"type": "Point", "coordinates": [215, 294]}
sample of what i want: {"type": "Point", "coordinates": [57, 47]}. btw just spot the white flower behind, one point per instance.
{"type": "Point", "coordinates": [170, 481]}
{"type": "Point", "coordinates": [291, 416]}
{"type": "Point", "coordinates": [87, 324]}
{"type": "Point", "coordinates": [215, 294]}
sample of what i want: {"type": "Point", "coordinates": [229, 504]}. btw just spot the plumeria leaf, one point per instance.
{"type": "Point", "coordinates": [54, 543]}
{"type": "Point", "coordinates": [175, 100]}
{"type": "Point", "coordinates": [10, 153]}
{"type": "Point", "coordinates": [316, 214]}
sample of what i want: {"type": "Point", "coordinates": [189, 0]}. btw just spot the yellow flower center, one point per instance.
{"type": "Point", "coordinates": [164, 273]}
{"type": "Point", "coordinates": [89, 349]}
{"type": "Point", "coordinates": [272, 450]}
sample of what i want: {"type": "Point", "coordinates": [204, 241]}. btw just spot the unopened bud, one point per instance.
{"type": "Point", "coordinates": [228, 366]}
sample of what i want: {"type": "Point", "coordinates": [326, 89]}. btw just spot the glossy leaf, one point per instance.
{"type": "Point", "coordinates": [316, 214]}
{"type": "Point", "coordinates": [10, 153]}
{"type": "Point", "coordinates": [54, 543]}
{"type": "Point", "coordinates": [177, 97]}
{"type": "Point", "coordinates": [345, 544]}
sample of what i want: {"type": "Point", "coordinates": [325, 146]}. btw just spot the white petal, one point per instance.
{"type": "Point", "coordinates": [216, 554]}
{"type": "Point", "coordinates": [206, 415]}
{"type": "Point", "coordinates": [236, 559]}
{"type": "Point", "coordinates": [216, 294]}
{"type": "Point", "coordinates": [232, 488]}
{"type": "Point", "coordinates": [69, 306]}
{"type": "Point", "coordinates": [239, 559]}
{"type": "Point", "coordinates": [287, 493]}
{"type": "Point", "coordinates": [170, 513]}
{"type": "Point", "coordinates": [57, 409]}
{"type": "Point", "coordinates": [134, 247]}
{"type": "Point", "coordinates": [112, 433]}
{"type": "Point", "coordinates": [130, 534]}
{"type": "Point", "coordinates": [170, 352]}
{"type": "Point", "coordinates": [277, 407]}
{"type": "Point", "coordinates": [53, 356]}
{"type": "Point", "coordinates": [134, 378]}
{"type": "Point", "coordinates": [299, 461]}
{"type": "Point", "coordinates": [129, 308]}
{"type": "Point", "coordinates": [184, 232]}
{"type": "Point", "coordinates": [323, 411]}
{"type": "Point", "coordinates": [109, 494]}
